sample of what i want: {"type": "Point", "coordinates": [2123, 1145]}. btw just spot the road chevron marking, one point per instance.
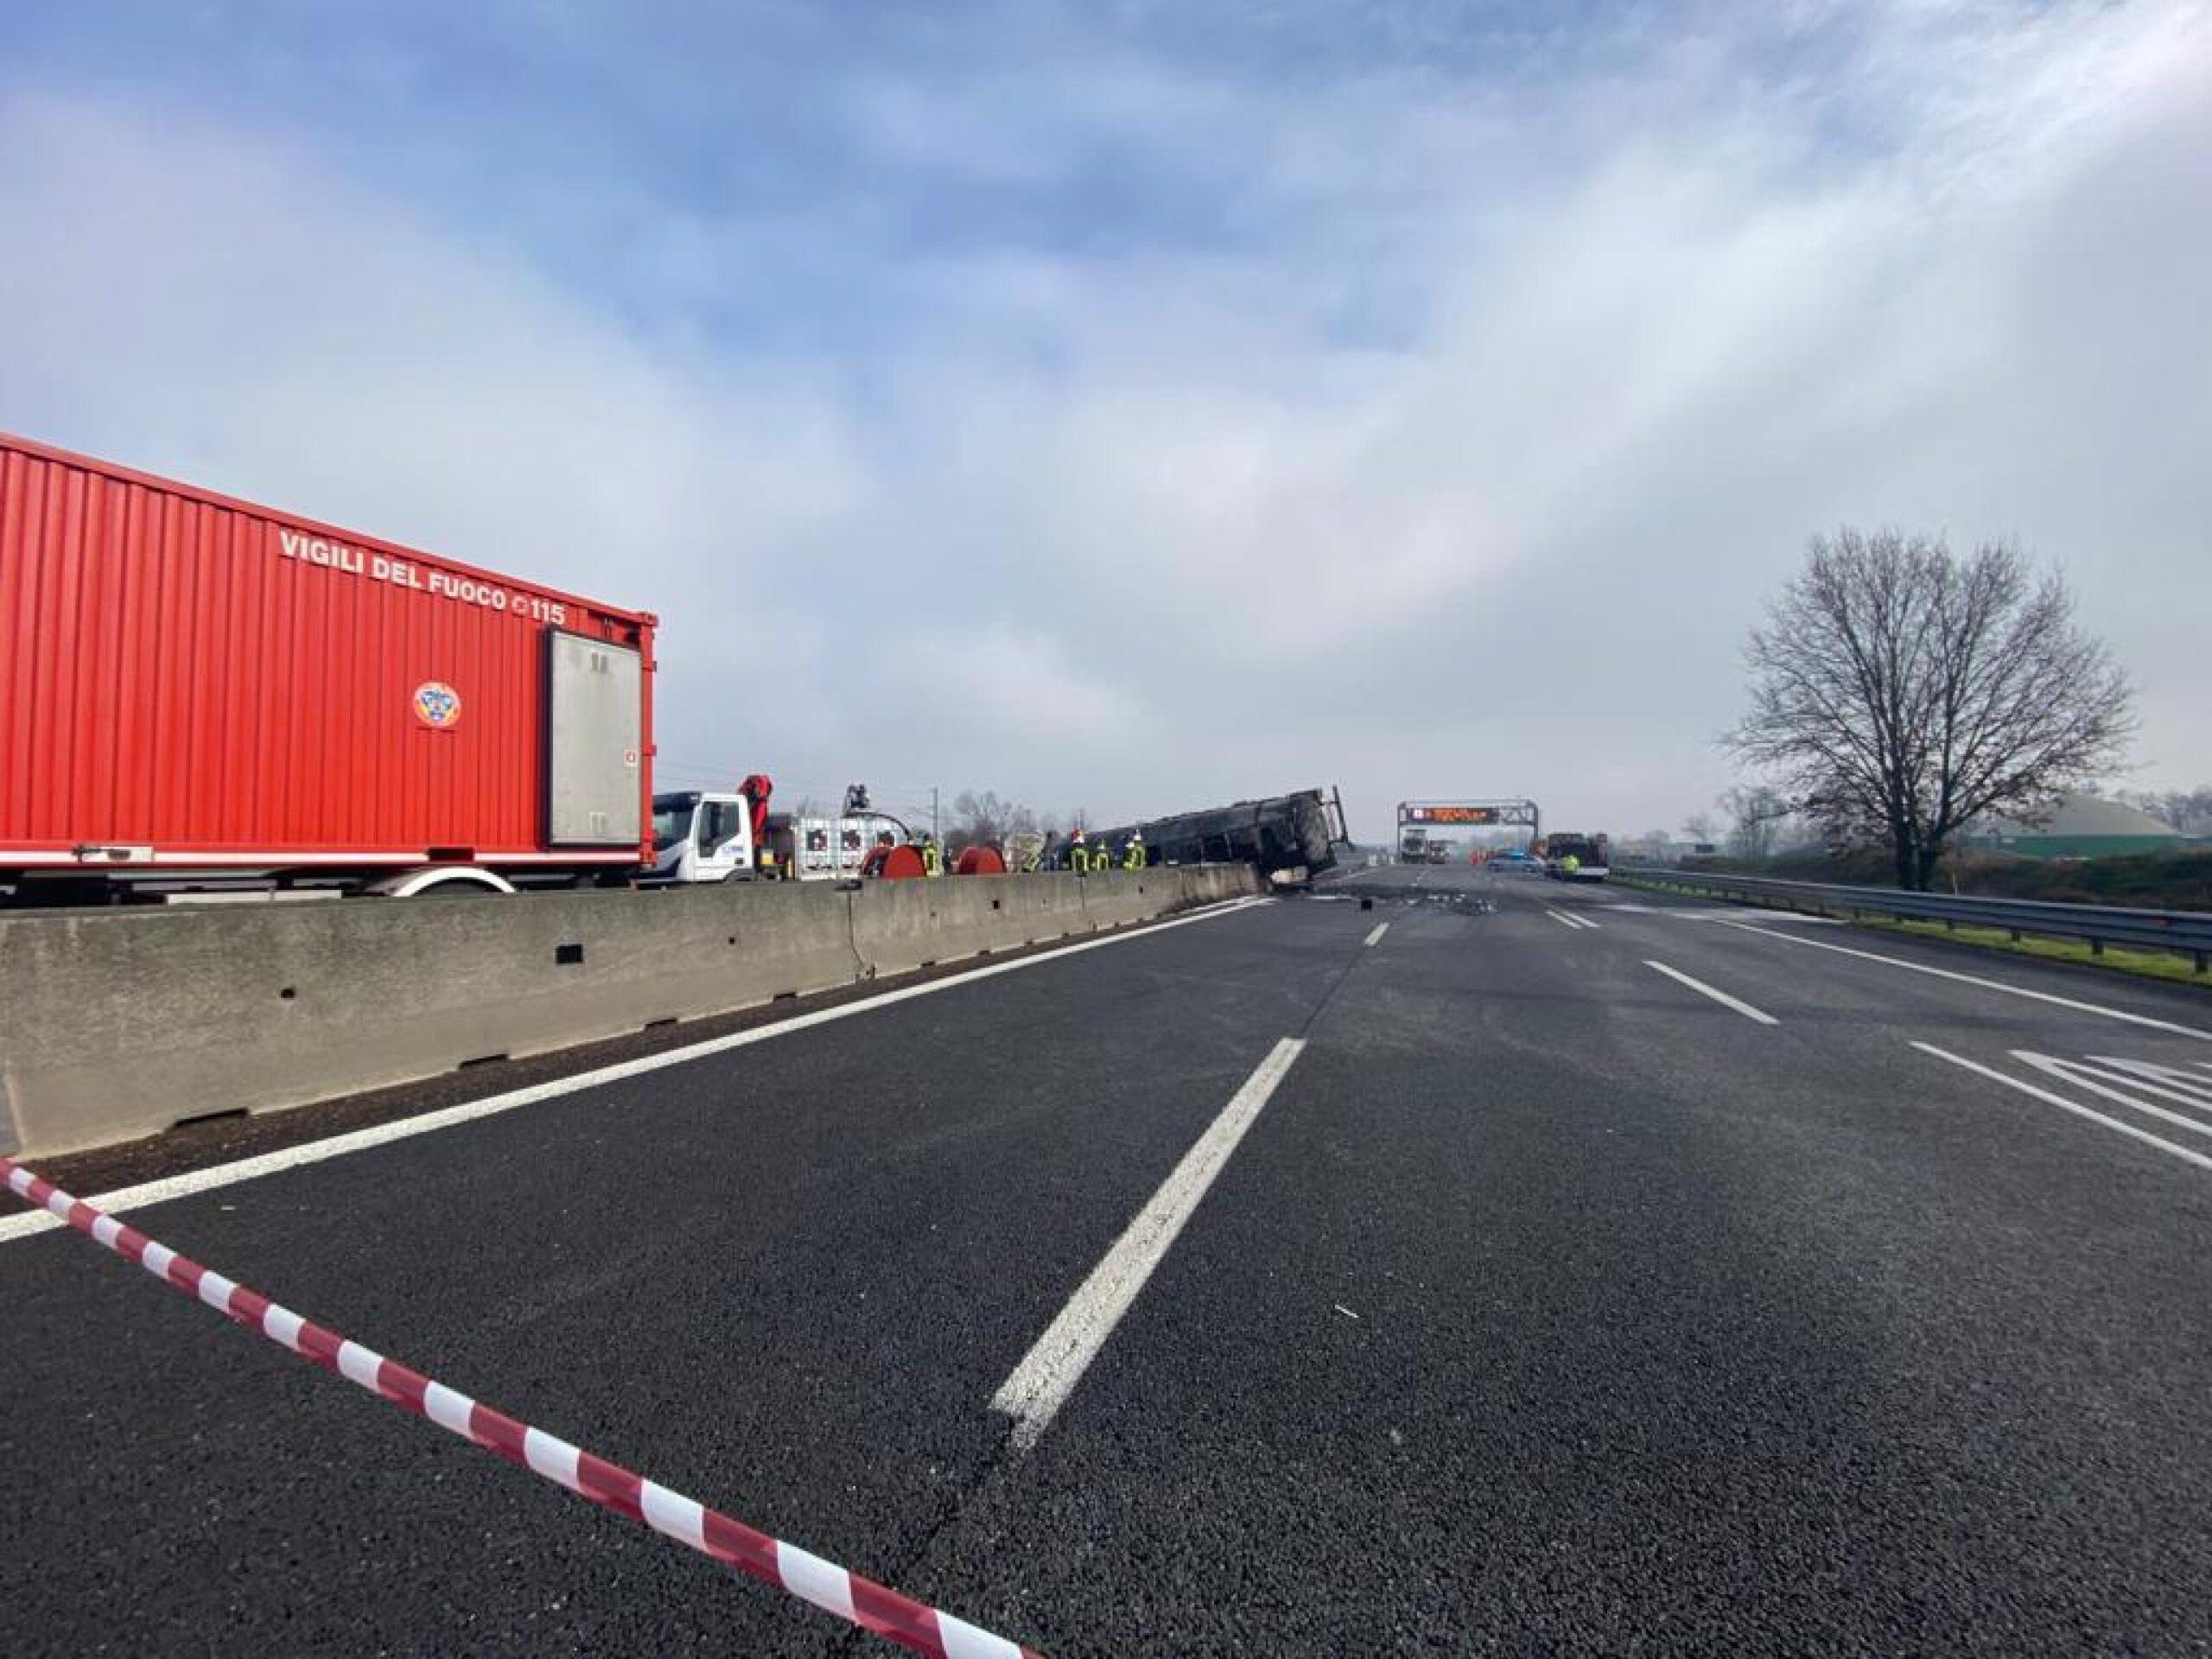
{"type": "Point", "coordinates": [2065, 1105]}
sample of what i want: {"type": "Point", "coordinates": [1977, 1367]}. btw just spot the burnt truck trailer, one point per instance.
{"type": "Point", "coordinates": [1289, 838]}
{"type": "Point", "coordinates": [197, 692]}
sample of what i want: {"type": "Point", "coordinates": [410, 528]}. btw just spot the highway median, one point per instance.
{"type": "Point", "coordinates": [124, 1024]}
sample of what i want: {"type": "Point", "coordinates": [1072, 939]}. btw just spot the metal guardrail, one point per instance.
{"type": "Point", "coordinates": [2184, 932]}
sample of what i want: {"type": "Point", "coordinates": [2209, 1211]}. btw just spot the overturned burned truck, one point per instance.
{"type": "Point", "coordinates": [1291, 838]}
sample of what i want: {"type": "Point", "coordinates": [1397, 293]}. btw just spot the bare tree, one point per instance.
{"type": "Point", "coordinates": [985, 818]}
{"type": "Point", "coordinates": [1899, 691]}
{"type": "Point", "coordinates": [1757, 814]}
{"type": "Point", "coordinates": [2187, 811]}
{"type": "Point", "coordinates": [1701, 828]}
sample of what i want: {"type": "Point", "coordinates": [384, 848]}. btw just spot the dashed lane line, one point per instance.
{"type": "Point", "coordinates": [1041, 1384]}
{"type": "Point", "coordinates": [1721, 997]}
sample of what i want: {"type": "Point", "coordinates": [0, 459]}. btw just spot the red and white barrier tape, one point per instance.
{"type": "Point", "coordinates": [810, 1578]}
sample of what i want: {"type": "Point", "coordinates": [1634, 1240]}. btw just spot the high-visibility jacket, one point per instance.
{"type": "Point", "coordinates": [1133, 857]}
{"type": "Point", "coordinates": [932, 859]}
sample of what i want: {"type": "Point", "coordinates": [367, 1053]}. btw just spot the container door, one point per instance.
{"type": "Point", "coordinates": [594, 707]}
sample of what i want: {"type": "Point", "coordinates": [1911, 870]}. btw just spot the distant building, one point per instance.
{"type": "Point", "coordinates": [2079, 826]}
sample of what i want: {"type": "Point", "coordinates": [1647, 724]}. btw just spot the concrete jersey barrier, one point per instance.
{"type": "Point", "coordinates": [119, 1024]}
{"type": "Point", "coordinates": [898, 926]}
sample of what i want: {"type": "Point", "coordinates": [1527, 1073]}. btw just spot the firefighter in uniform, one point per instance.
{"type": "Point", "coordinates": [1078, 855]}
{"type": "Point", "coordinates": [932, 859]}
{"type": "Point", "coordinates": [1133, 854]}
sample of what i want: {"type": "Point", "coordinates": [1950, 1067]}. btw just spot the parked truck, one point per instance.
{"type": "Point", "coordinates": [1572, 857]}
{"type": "Point", "coordinates": [708, 835]}
{"type": "Point", "coordinates": [198, 692]}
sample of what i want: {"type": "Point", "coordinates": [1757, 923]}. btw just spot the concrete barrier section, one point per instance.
{"type": "Point", "coordinates": [1120, 897]}
{"type": "Point", "coordinates": [122, 1023]}
{"type": "Point", "coordinates": [898, 926]}
{"type": "Point", "coordinates": [1044, 907]}
{"type": "Point", "coordinates": [1208, 883]}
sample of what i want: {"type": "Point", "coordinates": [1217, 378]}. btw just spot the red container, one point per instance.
{"type": "Point", "coordinates": [193, 683]}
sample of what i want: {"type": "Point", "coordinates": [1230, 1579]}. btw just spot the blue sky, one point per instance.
{"type": "Point", "coordinates": [1134, 406]}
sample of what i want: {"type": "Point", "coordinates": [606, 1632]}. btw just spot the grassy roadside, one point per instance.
{"type": "Point", "coordinates": [2138, 964]}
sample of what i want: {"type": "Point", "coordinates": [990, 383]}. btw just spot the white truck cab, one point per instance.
{"type": "Point", "coordinates": [702, 836]}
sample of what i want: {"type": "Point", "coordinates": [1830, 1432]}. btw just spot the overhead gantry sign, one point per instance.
{"type": "Point", "coordinates": [1416, 818]}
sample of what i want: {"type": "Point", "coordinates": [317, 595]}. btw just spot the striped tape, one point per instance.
{"type": "Point", "coordinates": [810, 1578]}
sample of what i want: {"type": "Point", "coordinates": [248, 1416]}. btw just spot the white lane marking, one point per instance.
{"type": "Point", "coordinates": [2064, 1104]}
{"type": "Point", "coordinates": [1376, 937]}
{"type": "Point", "coordinates": [338, 1145]}
{"type": "Point", "coordinates": [1721, 997]}
{"type": "Point", "coordinates": [1735, 914]}
{"type": "Point", "coordinates": [1041, 1384]}
{"type": "Point", "coordinates": [2193, 1087]}
{"type": "Point", "coordinates": [1563, 919]}
{"type": "Point", "coordinates": [2087, 1076]}
{"type": "Point", "coordinates": [1986, 984]}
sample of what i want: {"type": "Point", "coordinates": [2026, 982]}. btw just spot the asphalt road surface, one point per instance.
{"type": "Point", "coordinates": [1595, 1274]}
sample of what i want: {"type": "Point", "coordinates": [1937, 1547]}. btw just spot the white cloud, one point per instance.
{"type": "Point", "coordinates": [1452, 453]}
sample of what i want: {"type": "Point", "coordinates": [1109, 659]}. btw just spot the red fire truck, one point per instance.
{"type": "Point", "coordinates": [201, 693]}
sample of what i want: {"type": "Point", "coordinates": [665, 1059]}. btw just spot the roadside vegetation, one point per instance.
{"type": "Point", "coordinates": [2174, 880]}
{"type": "Point", "coordinates": [1900, 692]}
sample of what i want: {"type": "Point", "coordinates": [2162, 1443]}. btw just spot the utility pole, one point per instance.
{"type": "Point", "coordinates": [936, 830]}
